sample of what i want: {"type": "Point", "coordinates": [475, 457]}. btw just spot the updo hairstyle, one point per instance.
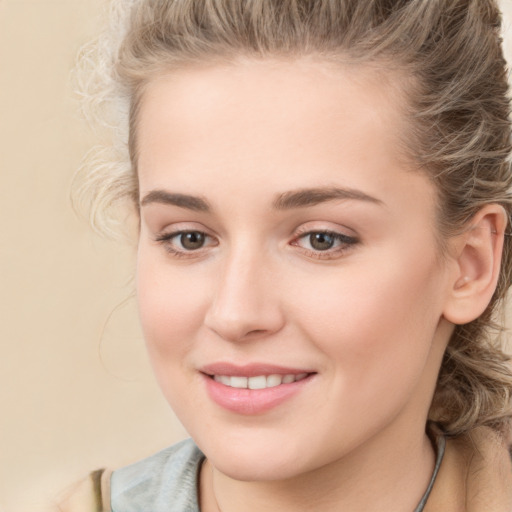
{"type": "Point", "coordinates": [446, 54]}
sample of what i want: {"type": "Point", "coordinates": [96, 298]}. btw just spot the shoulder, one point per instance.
{"type": "Point", "coordinates": [169, 476]}
{"type": "Point", "coordinates": [92, 494]}
{"type": "Point", "coordinates": [475, 474]}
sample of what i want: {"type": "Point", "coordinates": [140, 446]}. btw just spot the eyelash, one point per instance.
{"type": "Point", "coordinates": [345, 242]}
{"type": "Point", "coordinates": [166, 240]}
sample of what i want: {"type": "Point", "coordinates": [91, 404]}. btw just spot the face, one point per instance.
{"type": "Point", "coordinates": [290, 287]}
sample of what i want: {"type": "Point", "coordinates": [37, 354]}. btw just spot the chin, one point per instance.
{"type": "Point", "coordinates": [264, 469]}
{"type": "Point", "coordinates": [255, 460]}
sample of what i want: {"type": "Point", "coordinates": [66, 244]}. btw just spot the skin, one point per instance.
{"type": "Point", "coordinates": [368, 317]}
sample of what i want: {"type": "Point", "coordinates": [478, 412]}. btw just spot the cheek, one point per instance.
{"type": "Point", "coordinates": [376, 322]}
{"type": "Point", "coordinates": [170, 307]}
{"type": "Point", "coordinates": [171, 313]}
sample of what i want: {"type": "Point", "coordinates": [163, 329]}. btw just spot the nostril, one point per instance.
{"type": "Point", "coordinates": [255, 332]}
{"type": "Point", "coordinates": [233, 316]}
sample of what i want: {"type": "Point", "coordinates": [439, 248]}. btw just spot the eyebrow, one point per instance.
{"type": "Point", "coordinates": [194, 203]}
{"type": "Point", "coordinates": [312, 196]}
{"type": "Point", "coordinates": [301, 198]}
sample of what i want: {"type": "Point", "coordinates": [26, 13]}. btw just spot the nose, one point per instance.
{"type": "Point", "coordinates": [245, 303]}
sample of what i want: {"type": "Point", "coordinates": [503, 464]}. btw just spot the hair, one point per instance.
{"type": "Point", "coordinates": [448, 51]}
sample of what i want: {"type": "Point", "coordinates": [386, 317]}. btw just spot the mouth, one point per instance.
{"type": "Point", "coordinates": [258, 381]}
{"type": "Point", "coordinates": [253, 389]}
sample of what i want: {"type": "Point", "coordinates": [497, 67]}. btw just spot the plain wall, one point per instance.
{"type": "Point", "coordinates": [77, 392]}
{"type": "Point", "coordinates": [72, 399]}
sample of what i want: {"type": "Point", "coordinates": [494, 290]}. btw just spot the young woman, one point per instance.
{"type": "Point", "coordinates": [323, 196]}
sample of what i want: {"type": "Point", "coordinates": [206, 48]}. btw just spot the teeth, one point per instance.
{"type": "Point", "coordinates": [238, 382]}
{"type": "Point", "coordinates": [274, 380]}
{"type": "Point", "coordinates": [258, 382]}
{"type": "Point", "coordinates": [225, 380]}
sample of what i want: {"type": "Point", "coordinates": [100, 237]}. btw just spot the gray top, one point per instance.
{"type": "Point", "coordinates": [164, 482]}
{"type": "Point", "coordinates": [168, 481]}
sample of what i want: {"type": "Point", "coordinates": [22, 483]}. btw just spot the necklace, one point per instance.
{"type": "Point", "coordinates": [213, 490]}
{"type": "Point", "coordinates": [440, 443]}
{"type": "Point", "coordinates": [208, 499]}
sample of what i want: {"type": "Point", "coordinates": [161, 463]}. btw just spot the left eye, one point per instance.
{"type": "Point", "coordinates": [322, 241]}
{"type": "Point", "coordinates": [185, 241]}
{"type": "Point", "coordinates": [191, 240]}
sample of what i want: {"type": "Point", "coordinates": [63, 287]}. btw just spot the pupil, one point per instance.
{"type": "Point", "coordinates": [192, 240]}
{"type": "Point", "coordinates": [321, 241]}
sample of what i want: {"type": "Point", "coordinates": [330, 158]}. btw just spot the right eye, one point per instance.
{"type": "Point", "coordinates": [182, 242]}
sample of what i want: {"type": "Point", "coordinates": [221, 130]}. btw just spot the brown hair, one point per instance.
{"type": "Point", "coordinates": [456, 100]}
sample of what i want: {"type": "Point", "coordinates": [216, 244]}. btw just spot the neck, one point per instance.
{"type": "Point", "coordinates": [381, 476]}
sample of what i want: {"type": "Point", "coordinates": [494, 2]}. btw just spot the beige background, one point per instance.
{"type": "Point", "coordinates": [77, 392]}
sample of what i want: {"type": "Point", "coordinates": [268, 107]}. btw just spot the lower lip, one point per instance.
{"type": "Point", "coordinates": [252, 401]}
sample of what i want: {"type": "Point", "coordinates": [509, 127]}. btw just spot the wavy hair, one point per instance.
{"type": "Point", "coordinates": [456, 103]}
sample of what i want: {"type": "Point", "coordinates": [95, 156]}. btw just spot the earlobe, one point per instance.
{"type": "Point", "coordinates": [477, 265]}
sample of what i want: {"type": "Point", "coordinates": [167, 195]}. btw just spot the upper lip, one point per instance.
{"type": "Point", "coordinates": [250, 370]}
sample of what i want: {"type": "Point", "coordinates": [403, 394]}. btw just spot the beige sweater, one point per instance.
{"type": "Point", "coordinates": [475, 476]}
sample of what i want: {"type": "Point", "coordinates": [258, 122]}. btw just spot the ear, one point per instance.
{"type": "Point", "coordinates": [477, 260]}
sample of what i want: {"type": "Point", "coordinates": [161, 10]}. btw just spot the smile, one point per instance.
{"type": "Point", "coordinates": [259, 381]}
{"type": "Point", "coordinates": [254, 389]}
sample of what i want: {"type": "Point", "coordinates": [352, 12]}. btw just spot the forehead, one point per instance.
{"type": "Point", "coordinates": [292, 121]}
{"type": "Point", "coordinates": [266, 92]}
